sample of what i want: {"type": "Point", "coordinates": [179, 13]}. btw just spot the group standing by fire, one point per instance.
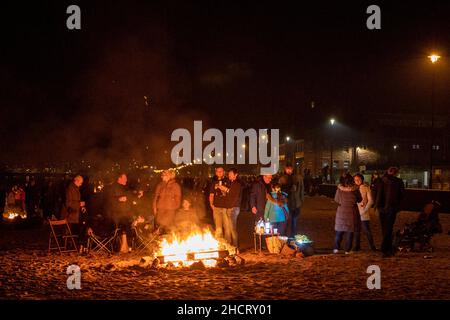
{"type": "Point", "coordinates": [278, 200]}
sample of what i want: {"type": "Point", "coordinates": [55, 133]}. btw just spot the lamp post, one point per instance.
{"type": "Point", "coordinates": [434, 58]}
{"type": "Point", "coordinates": [332, 122]}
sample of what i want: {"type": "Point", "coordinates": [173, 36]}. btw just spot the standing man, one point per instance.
{"type": "Point", "coordinates": [389, 196]}
{"type": "Point", "coordinates": [217, 200]}
{"type": "Point", "coordinates": [258, 195]}
{"type": "Point", "coordinates": [293, 186]}
{"type": "Point", "coordinates": [73, 208]}
{"type": "Point", "coordinates": [233, 206]}
{"type": "Point", "coordinates": [167, 200]}
{"type": "Point", "coordinates": [120, 205]}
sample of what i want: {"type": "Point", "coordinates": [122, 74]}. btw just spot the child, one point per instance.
{"type": "Point", "coordinates": [277, 211]}
{"type": "Point", "coordinates": [187, 219]}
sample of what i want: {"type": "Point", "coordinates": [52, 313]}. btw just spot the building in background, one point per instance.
{"type": "Point", "coordinates": [382, 141]}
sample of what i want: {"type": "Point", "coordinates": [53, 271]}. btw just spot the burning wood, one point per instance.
{"type": "Point", "coordinates": [10, 216]}
{"type": "Point", "coordinates": [196, 247]}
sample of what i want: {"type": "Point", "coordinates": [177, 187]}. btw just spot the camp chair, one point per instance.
{"type": "Point", "coordinates": [61, 234]}
{"type": "Point", "coordinates": [140, 242]}
{"type": "Point", "coordinates": [97, 244]}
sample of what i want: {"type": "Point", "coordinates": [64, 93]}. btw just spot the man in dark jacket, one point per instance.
{"type": "Point", "coordinates": [217, 200]}
{"type": "Point", "coordinates": [258, 195]}
{"type": "Point", "coordinates": [388, 199]}
{"type": "Point", "coordinates": [73, 208]}
{"type": "Point", "coordinates": [292, 184]}
{"type": "Point", "coordinates": [233, 200]}
{"type": "Point", "coordinates": [120, 203]}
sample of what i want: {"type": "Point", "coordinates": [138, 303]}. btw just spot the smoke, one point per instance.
{"type": "Point", "coordinates": [121, 104]}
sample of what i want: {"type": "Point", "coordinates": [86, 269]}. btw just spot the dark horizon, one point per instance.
{"type": "Point", "coordinates": [80, 93]}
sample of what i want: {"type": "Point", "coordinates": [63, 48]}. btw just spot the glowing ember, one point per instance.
{"type": "Point", "coordinates": [12, 216]}
{"type": "Point", "coordinates": [198, 246]}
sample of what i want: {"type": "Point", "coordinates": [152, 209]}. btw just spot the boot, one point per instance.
{"type": "Point", "coordinates": [124, 248]}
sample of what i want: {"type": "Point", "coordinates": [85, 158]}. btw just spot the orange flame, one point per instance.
{"type": "Point", "coordinates": [200, 245]}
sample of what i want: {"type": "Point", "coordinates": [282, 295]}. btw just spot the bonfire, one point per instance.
{"type": "Point", "coordinates": [185, 250]}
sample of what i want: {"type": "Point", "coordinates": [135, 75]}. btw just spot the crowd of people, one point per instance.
{"type": "Point", "coordinates": [177, 205]}
{"type": "Point", "coordinates": [385, 194]}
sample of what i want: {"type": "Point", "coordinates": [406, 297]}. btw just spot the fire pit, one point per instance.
{"type": "Point", "coordinates": [185, 251]}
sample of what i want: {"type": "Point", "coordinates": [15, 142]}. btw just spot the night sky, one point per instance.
{"type": "Point", "coordinates": [68, 94]}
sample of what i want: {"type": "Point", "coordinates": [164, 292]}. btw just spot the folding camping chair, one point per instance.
{"type": "Point", "coordinates": [141, 242]}
{"type": "Point", "coordinates": [61, 234]}
{"type": "Point", "coordinates": [97, 244]}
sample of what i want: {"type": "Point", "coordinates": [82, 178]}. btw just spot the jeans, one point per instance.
{"type": "Point", "coordinates": [230, 225]}
{"type": "Point", "coordinates": [219, 215]}
{"type": "Point", "coordinates": [294, 214]}
{"type": "Point", "coordinates": [365, 226]}
{"type": "Point", "coordinates": [387, 219]}
{"type": "Point", "coordinates": [348, 241]}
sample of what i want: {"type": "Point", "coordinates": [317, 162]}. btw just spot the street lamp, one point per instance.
{"type": "Point", "coordinates": [434, 58]}
{"type": "Point", "coordinates": [288, 138]}
{"type": "Point", "coordinates": [332, 122]}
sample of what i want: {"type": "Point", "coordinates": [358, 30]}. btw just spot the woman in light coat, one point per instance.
{"type": "Point", "coordinates": [364, 207]}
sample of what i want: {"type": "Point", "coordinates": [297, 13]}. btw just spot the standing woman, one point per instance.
{"type": "Point", "coordinates": [347, 196]}
{"type": "Point", "coordinates": [364, 207]}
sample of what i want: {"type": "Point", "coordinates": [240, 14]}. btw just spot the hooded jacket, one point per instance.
{"type": "Point", "coordinates": [347, 211]}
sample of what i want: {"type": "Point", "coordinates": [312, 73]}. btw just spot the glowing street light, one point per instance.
{"type": "Point", "coordinates": [332, 121]}
{"type": "Point", "coordinates": [288, 138]}
{"type": "Point", "coordinates": [395, 147]}
{"type": "Point", "coordinates": [434, 58]}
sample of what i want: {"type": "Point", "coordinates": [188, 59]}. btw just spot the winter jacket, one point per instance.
{"type": "Point", "coordinates": [390, 193]}
{"type": "Point", "coordinates": [71, 208]}
{"type": "Point", "coordinates": [233, 197]}
{"type": "Point", "coordinates": [167, 196]}
{"type": "Point", "coordinates": [294, 187]}
{"type": "Point", "coordinates": [258, 196]}
{"type": "Point", "coordinates": [347, 212]}
{"type": "Point", "coordinates": [275, 212]}
{"type": "Point", "coordinates": [119, 209]}
{"type": "Point", "coordinates": [366, 203]}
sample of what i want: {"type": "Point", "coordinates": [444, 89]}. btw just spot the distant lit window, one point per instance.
{"type": "Point", "coordinates": [335, 164]}
{"type": "Point", "coordinates": [436, 147]}
{"type": "Point", "coordinates": [346, 164]}
{"type": "Point", "coordinates": [416, 146]}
